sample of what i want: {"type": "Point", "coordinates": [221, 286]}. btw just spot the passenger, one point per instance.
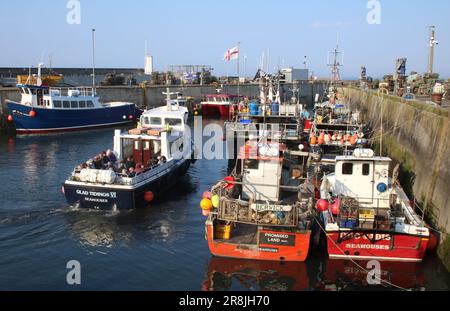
{"type": "Point", "coordinates": [98, 163]}
{"type": "Point", "coordinates": [131, 173]}
{"type": "Point", "coordinates": [90, 164]}
{"type": "Point", "coordinates": [139, 168]}
{"type": "Point", "coordinates": [112, 157]}
{"type": "Point", "coordinates": [110, 166]}
{"type": "Point", "coordinates": [105, 159]}
{"type": "Point", "coordinates": [129, 163]}
{"type": "Point", "coordinates": [155, 161]}
{"type": "Point", "coordinates": [162, 160]}
{"type": "Point", "coordinates": [124, 172]}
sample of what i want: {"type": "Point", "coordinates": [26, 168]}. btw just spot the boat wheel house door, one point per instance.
{"type": "Point", "coordinates": [142, 151]}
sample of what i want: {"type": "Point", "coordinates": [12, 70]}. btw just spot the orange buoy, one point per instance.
{"type": "Point", "coordinates": [206, 195]}
{"type": "Point", "coordinates": [313, 140]}
{"type": "Point", "coordinates": [206, 204]}
{"type": "Point", "coordinates": [353, 140]}
{"type": "Point", "coordinates": [206, 212]}
{"type": "Point", "coordinates": [10, 118]}
{"type": "Point", "coordinates": [32, 113]}
{"type": "Point", "coordinates": [149, 196]}
{"type": "Point", "coordinates": [321, 140]}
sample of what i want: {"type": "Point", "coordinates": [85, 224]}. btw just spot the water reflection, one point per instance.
{"type": "Point", "coordinates": [324, 275]}
{"type": "Point", "coordinates": [235, 274]}
{"type": "Point", "coordinates": [339, 275]}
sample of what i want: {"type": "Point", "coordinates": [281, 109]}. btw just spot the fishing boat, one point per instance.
{"type": "Point", "coordinates": [367, 215]}
{"type": "Point", "coordinates": [263, 210]}
{"type": "Point", "coordinates": [159, 152]}
{"type": "Point", "coordinates": [47, 110]}
{"type": "Point", "coordinates": [219, 105]}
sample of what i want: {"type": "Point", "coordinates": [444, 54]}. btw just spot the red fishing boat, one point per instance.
{"type": "Point", "coordinates": [219, 105]}
{"type": "Point", "coordinates": [263, 211]}
{"type": "Point", "coordinates": [367, 215]}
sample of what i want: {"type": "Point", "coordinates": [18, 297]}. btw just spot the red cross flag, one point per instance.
{"type": "Point", "coordinates": [231, 54]}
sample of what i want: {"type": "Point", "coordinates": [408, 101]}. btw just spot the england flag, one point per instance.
{"type": "Point", "coordinates": [231, 54]}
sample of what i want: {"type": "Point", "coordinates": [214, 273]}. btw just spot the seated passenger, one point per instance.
{"type": "Point", "coordinates": [129, 163]}
{"type": "Point", "coordinates": [98, 163]}
{"type": "Point", "coordinates": [139, 168]}
{"type": "Point", "coordinates": [105, 159]}
{"type": "Point", "coordinates": [163, 160]}
{"type": "Point", "coordinates": [112, 157]}
{"type": "Point", "coordinates": [131, 173]}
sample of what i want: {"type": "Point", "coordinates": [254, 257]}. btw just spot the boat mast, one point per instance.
{"type": "Point", "coordinates": [93, 62]}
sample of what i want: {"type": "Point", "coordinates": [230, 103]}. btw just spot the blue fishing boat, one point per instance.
{"type": "Point", "coordinates": [43, 109]}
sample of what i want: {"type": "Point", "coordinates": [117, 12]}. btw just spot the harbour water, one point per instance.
{"type": "Point", "coordinates": [161, 247]}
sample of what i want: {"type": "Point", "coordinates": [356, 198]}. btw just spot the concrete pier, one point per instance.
{"type": "Point", "coordinates": [416, 135]}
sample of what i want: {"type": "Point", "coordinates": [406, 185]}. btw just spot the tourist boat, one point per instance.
{"type": "Point", "coordinates": [367, 215]}
{"type": "Point", "coordinates": [262, 211]}
{"type": "Point", "coordinates": [235, 274]}
{"type": "Point", "coordinates": [219, 105]}
{"type": "Point", "coordinates": [160, 151]}
{"type": "Point", "coordinates": [44, 109]}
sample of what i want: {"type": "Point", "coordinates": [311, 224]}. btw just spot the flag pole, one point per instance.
{"type": "Point", "coordinates": [238, 72]}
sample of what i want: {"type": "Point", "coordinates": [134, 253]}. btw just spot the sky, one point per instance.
{"type": "Point", "coordinates": [200, 31]}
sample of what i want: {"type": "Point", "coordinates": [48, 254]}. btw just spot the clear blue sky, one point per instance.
{"type": "Point", "coordinates": [199, 32]}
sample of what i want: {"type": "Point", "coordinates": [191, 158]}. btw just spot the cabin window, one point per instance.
{"type": "Point", "coordinates": [57, 103]}
{"type": "Point", "coordinates": [366, 169]}
{"type": "Point", "coordinates": [155, 121]}
{"type": "Point", "coordinates": [82, 104]}
{"type": "Point", "coordinates": [347, 169]}
{"type": "Point", "coordinates": [146, 121]}
{"type": "Point", "coordinates": [90, 104]}
{"type": "Point", "coordinates": [137, 145]}
{"type": "Point", "coordinates": [66, 104]}
{"type": "Point", "coordinates": [73, 104]}
{"type": "Point", "coordinates": [172, 122]}
{"type": "Point", "coordinates": [251, 164]}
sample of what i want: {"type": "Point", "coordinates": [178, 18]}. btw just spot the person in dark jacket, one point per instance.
{"type": "Point", "coordinates": [98, 163]}
{"type": "Point", "coordinates": [130, 163]}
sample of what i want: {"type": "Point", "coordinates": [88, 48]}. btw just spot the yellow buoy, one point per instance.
{"type": "Point", "coordinates": [215, 200]}
{"type": "Point", "coordinates": [206, 204]}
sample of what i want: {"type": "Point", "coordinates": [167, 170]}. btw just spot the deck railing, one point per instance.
{"type": "Point", "coordinates": [266, 130]}
{"type": "Point", "coordinates": [265, 214]}
{"type": "Point", "coordinates": [75, 92]}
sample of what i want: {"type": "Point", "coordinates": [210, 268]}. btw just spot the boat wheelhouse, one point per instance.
{"type": "Point", "coordinates": [219, 105]}
{"type": "Point", "coordinates": [160, 154]}
{"type": "Point", "coordinates": [367, 215]}
{"type": "Point", "coordinates": [263, 211]}
{"type": "Point", "coordinates": [44, 110]}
